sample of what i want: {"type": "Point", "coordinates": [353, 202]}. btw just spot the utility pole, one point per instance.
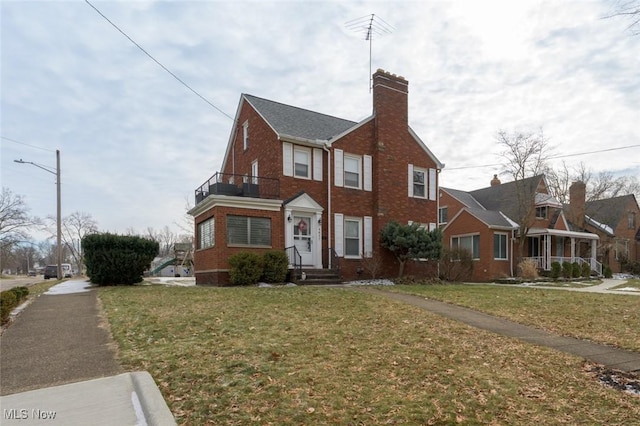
{"type": "Point", "coordinates": [58, 206]}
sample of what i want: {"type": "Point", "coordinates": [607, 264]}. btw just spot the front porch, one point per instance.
{"type": "Point", "coordinates": [546, 246]}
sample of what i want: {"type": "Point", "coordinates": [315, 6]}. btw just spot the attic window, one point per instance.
{"type": "Point", "coordinates": [542, 212]}
{"type": "Point", "coordinates": [245, 135]}
{"type": "Point", "coordinates": [632, 220]}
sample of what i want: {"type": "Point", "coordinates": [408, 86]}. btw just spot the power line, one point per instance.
{"type": "Point", "coordinates": [26, 144]}
{"type": "Point", "coordinates": [551, 158]}
{"type": "Point", "coordinates": [158, 62]}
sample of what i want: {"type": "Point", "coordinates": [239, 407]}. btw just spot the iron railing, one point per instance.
{"type": "Point", "coordinates": [239, 186]}
{"type": "Point", "coordinates": [295, 262]}
{"type": "Point", "coordinates": [330, 260]}
{"type": "Point", "coordinates": [545, 263]}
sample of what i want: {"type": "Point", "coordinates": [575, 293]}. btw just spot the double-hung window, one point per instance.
{"type": "Point", "coordinates": [352, 171]}
{"type": "Point", "coordinates": [443, 213]}
{"type": "Point", "coordinates": [248, 231]}
{"type": "Point", "coordinates": [468, 242]}
{"type": "Point", "coordinates": [206, 234]}
{"type": "Point", "coordinates": [541, 212]}
{"type": "Point", "coordinates": [419, 183]}
{"type": "Point", "coordinates": [302, 163]}
{"type": "Point", "coordinates": [352, 237]}
{"type": "Point", "coordinates": [500, 246]}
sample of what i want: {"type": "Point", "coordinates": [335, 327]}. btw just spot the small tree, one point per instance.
{"type": "Point", "coordinates": [408, 242]}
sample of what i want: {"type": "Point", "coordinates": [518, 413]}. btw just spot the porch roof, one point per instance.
{"type": "Point", "coordinates": [562, 233]}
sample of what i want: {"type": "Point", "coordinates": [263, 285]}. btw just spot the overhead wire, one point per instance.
{"type": "Point", "coordinates": [26, 144]}
{"type": "Point", "coordinates": [158, 62]}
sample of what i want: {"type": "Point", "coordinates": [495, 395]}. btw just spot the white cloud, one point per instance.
{"type": "Point", "coordinates": [135, 142]}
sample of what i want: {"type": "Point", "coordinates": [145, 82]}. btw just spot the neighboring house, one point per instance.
{"type": "Point", "coordinates": [615, 220]}
{"type": "Point", "coordinates": [317, 186]}
{"type": "Point", "coordinates": [488, 223]}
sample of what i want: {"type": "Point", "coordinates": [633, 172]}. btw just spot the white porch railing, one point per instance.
{"type": "Point", "coordinates": [542, 263]}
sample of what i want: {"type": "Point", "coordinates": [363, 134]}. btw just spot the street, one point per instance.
{"type": "Point", "coordinates": [9, 283]}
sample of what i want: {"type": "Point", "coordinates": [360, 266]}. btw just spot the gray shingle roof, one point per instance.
{"type": "Point", "coordinates": [464, 197]}
{"type": "Point", "coordinates": [298, 122]}
{"type": "Point", "coordinates": [492, 218]}
{"type": "Point", "coordinates": [609, 211]}
{"type": "Point", "coordinates": [504, 197]}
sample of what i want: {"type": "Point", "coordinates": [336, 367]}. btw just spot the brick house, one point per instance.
{"type": "Point", "coordinates": [317, 186]}
{"type": "Point", "coordinates": [615, 220]}
{"type": "Point", "coordinates": [488, 223]}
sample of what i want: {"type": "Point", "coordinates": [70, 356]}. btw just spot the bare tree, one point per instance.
{"type": "Point", "coordinates": [629, 9]}
{"type": "Point", "coordinates": [525, 155]}
{"type": "Point", "coordinates": [15, 221]}
{"type": "Point", "coordinates": [74, 228]}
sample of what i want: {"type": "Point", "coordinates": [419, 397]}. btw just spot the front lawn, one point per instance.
{"type": "Point", "coordinates": [603, 318]}
{"type": "Point", "coordinates": [296, 355]}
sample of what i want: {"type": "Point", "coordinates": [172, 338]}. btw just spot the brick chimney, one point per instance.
{"type": "Point", "coordinates": [495, 181]}
{"type": "Point", "coordinates": [390, 100]}
{"type": "Point", "coordinates": [577, 195]}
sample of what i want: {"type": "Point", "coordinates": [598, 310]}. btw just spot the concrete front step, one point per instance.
{"type": "Point", "coordinates": [319, 276]}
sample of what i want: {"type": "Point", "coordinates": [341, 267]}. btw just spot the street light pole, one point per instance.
{"type": "Point", "coordinates": [58, 207]}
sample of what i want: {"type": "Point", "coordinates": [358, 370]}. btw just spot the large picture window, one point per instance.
{"type": "Point", "coordinates": [248, 231]}
{"type": "Point", "coordinates": [206, 234]}
{"type": "Point", "coordinates": [500, 246]}
{"type": "Point", "coordinates": [469, 242]}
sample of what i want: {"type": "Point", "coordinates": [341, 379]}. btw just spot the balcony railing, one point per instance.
{"type": "Point", "coordinates": [238, 186]}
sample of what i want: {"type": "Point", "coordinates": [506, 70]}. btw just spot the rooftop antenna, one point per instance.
{"type": "Point", "coordinates": [370, 25]}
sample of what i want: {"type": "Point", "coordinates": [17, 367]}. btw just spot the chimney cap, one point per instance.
{"type": "Point", "coordinates": [495, 181]}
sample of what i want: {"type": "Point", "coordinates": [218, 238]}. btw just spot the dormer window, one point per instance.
{"type": "Point", "coordinates": [542, 212]}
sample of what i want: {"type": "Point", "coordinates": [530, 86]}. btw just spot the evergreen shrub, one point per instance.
{"type": "Point", "coordinates": [576, 270]}
{"type": "Point", "coordinates": [8, 301]}
{"type": "Point", "coordinates": [567, 269]}
{"type": "Point", "coordinates": [586, 270]}
{"type": "Point", "coordinates": [246, 268]}
{"type": "Point", "coordinates": [117, 259]}
{"type": "Point", "coordinates": [607, 272]}
{"type": "Point", "coordinates": [556, 269]}
{"type": "Point", "coordinates": [275, 266]}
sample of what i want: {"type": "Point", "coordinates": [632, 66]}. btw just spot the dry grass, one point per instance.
{"type": "Point", "coordinates": [603, 318]}
{"type": "Point", "coordinates": [321, 356]}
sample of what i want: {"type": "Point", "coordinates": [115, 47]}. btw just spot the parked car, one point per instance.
{"type": "Point", "coordinates": [32, 273]}
{"type": "Point", "coordinates": [51, 271]}
{"type": "Point", "coordinates": [67, 272]}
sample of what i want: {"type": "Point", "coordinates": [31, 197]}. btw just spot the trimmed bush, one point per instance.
{"type": "Point", "coordinates": [456, 264]}
{"type": "Point", "coordinates": [567, 269]}
{"type": "Point", "coordinates": [607, 272]}
{"type": "Point", "coordinates": [20, 292]}
{"type": "Point", "coordinates": [576, 270]}
{"type": "Point", "coordinates": [275, 266]}
{"type": "Point", "coordinates": [556, 269]}
{"type": "Point", "coordinates": [246, 268]}
{"type": "Point", "coordinates": [117, 259]}
{"type": "Point", "coordinates": [8, 301]}
{"type": "Point", "coordinates": [586, 270]}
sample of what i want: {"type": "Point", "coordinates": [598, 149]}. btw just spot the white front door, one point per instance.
{"type": "Point", "coordinates": [303, 239]}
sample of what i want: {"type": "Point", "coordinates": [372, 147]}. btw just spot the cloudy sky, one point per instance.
{"type": "Point", "coordinates": [135, 142]}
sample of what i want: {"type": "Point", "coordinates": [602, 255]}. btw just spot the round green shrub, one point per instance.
{"type": "Point", "coordinates": [586, 270]}
{"type": "Point", "coordinates": [246, 268]}
{"type": "Point", "coordinates": [607, 272]}
{"type": "Point", "coordinates": [275, 266]}
{"type": "Point", "coordinates": [556, 269]}
{"type": "Point", "coordinates": [576, 270]}
{"type": "Point", "coordinates": [567, 269]}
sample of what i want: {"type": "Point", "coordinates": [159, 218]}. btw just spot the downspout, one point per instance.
{"type": "Point", "coordinates": [327, 148]}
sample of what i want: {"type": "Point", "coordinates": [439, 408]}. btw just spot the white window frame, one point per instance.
{"type": "Point", "coordinates": [250, 221]}
{"type": "Point", "coordinates": [254, 172]}
{"type": "Point", "coordinates": [359, 237]}
{"type": "Point", "coordinates": [307, 153]}
{"type": "Point", "coordinates": [424, 183]}
{"type": "Point", "coordinates": [358, 160]}
{"type": "Point", "coordinates": [245, 135]}
{"type": "Point", "coordinates": [443, 213]}
{"type": "Point", "coordinates": [505, 236]}
{"type": "Point", "coordinates": [206, 234]}
{"type": "Point", "coordinates": [544, 210]}
{"type": "Point", "coordinates": [472, 237]}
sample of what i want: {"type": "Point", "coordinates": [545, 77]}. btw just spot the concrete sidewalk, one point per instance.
{"type": "Point", "coordinates": [60, 339]}
{"type": "Point", "coordinates": [602, 354]}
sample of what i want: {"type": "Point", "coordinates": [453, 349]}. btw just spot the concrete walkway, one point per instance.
{"type": "Point", "coordinates": [604, 288]}
{"type": "Point", "coordinates": [619, 359]}
{"type": "Point", "coordinates": [57, 359]}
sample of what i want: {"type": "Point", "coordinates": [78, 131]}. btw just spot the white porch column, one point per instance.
{"type": "Point", "coordinates": [594, 254]}
{"type": "Point", "coordinates": [288, 229]}
{"type": "Point", "coordinates": [547, 257]}
{"type": "Point", "coordinates": [317, 222]}
{"type": "Point", "coordinates": [573, 249]}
